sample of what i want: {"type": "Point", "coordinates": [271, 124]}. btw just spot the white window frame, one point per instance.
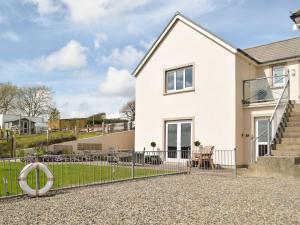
{"type": "Point", "coordinates": [175, 78]}
{"type": "Point", "coordinates": [276, 84]}
{"type": "Point", "coordinates": [178, 124]}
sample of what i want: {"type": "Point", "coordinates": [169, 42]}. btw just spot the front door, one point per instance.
{"type": "Point", "coordinates": [178, 139]}
{"type": "Point", "coordinates": [261, 136]}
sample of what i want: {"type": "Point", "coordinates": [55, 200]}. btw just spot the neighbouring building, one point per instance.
{"type": "Point", "coordinates": [192, 85]}
{"type": "Point", "coordinates": [23, 124]}
{"type": "Point", "coordinates": [67, 124]}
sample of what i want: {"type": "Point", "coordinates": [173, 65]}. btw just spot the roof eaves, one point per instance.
{"type": "Point", "coordinates": [248, 56]}
{"type": "Point", "coordinates": [184, 19]}
{"type": "Point", "coordinates": [280, 59]}
{"type": "Point", "coordinates": [156, 41]}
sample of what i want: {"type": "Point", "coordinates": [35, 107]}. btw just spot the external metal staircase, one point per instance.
{"type": "Point", "coordinates": [283, 148]}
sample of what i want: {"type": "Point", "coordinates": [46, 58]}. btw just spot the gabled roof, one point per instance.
{"type": "Point", "coordinates": [190, 23]}
{"type": "Point", "coordinates": [276, 51]}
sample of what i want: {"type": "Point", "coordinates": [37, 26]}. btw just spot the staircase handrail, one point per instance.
{"type": "Point", "coordinates": [271, 135]}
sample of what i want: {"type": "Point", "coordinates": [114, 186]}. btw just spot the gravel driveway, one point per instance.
{"type": "Point", "coordinates": [180, 199]}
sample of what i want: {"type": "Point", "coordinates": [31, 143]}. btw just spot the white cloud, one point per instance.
{"type": "Point", "coordinates": [45, 7]}
{"type": "Point", "coordinates": [10, 36]}
{"type": "Point", "coordinates": [118, 83]}
{"type": "Point", "coordinates": [100, 38]}
{"type": "Point", "coordinates": [90, 11]}
{"type": "Point", "coordinates": [86, 104]}
{"type": "Point", "coordinates": [71, 56]}
{"type": "Point", "coordinates": [128, 56]}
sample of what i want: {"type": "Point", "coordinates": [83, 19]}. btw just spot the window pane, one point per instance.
{"type": "Point", "coordinates": [261, 129]}
{"type": "Point", "coordinates": [179, 79]}
{"type": "Point", "coordinates": [185, 140]}
{"type": "Point", "coordinates": [278, 75]}
{"type": "Point", "coordinates": [172, 140]}
{"type": "Point", "coordinates": [170, 80]}
{"type": "Point", "coordinates": [188, 77]}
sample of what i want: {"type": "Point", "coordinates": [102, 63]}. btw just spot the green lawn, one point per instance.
{"type": "Point", "coordinates": [71, 174]}
{"type": "Point", "coordinates": [28, 141]}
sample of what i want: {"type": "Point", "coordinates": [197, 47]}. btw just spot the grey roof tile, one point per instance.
{"type": "Point", "coordinates": [284, 49]}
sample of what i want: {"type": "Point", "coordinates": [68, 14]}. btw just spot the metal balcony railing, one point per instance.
{"type": "Point", "coordinates": [265, 89]}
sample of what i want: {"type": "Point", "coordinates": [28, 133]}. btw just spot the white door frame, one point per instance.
{"type": "Point", "coordinates": [178, 123]}
{"type": "Point", "coordinates": [256, 135]}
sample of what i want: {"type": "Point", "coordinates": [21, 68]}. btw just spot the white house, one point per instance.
{"type": "Point", "coordinates": [192, 85]}
{"type": "Point", "coordinates": [23, 124]}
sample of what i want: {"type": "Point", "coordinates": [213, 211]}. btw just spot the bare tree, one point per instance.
{"type": "Point", "coordinates": [8, 94]}
{"type": "Point", "coordinates": [128, 110]}
{"type": "Point", "coordinates": [54, 114]}
{"type": "Point", "coordinates": [35, 101]}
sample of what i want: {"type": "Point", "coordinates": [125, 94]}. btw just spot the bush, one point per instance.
{"type": "Point", "coordinates": [40, 151]}
{"type": "Point", "coordinates": [153, 159]}
{"type": "Point", "coordinates": [20, 153]}
{"type": "Point", "coordinates": [5, 149]}
{"type": "Point", "coordinates": [53, 141]}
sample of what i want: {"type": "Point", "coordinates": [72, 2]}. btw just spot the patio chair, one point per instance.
{"type": "Point", "coordinates": [195, 158]}
{"type": "Point", "coordinates": [205, 157]}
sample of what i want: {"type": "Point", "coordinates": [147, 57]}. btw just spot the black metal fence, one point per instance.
{"type": "Point", "coordinates": [79, 170]}
{"type": "Point", "coordinates": [216, 161]}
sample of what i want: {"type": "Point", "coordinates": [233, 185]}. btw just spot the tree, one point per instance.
{"type": "Point", "coordinates": [35, 101]}
{"type": "Point", "coordinates": [96, 118]}
{"type": "Point", "coordinates": [128, 110]}
{"type": "Point", "coordinates": [8, 94]}
{"type": "Point", "coordinates": [54, 114]}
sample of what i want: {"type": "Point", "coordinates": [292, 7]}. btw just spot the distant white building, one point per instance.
{"type": "Point", "coordinates": [23, 124]}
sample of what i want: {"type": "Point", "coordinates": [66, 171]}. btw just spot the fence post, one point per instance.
{"type": "Point", "coordinates": [133, 159]}
{"type": "Point", "coordinates": [143, 162]}
{"type": "Point", "coordinates": [235, 162]}
{"type": "Point", "coordinates": [37, 177]}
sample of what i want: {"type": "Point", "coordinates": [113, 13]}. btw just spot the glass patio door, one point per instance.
{"type": "Point", "coordinates": [178, 139]}
{"type": "Point", "coordinates": [262, 136]}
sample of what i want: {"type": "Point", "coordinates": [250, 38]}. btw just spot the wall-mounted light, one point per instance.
{"type": "Point", "coordinates": [295, 16]}
{"type": "Point", "coordinates": [293, 72]}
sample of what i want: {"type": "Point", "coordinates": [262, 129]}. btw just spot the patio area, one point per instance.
{"type": "Point", "coordinates": [178, 199]}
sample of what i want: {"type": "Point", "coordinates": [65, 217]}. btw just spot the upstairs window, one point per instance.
{"type": "Point", "coordinates": [278, 75]}
{"type": "Point", "coordinates": [179, 79]}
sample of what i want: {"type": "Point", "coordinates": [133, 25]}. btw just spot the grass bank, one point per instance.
{"type": "Point", "coordinates": [29, 141]}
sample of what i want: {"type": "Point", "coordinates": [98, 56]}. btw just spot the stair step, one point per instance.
{"type": "Point", "coordinates": [294, 119]}
{"type": "Point", "coordinates": [294, 113]}
{"type": "Point", "coordinates": [291, 134]}
{"type": "Point", "coordinates": [291, 140]}
{"type": "Point", "coordinates": [296, 108]}
{"type": "Point", "coordinates": [291, 147]}
{"type": "Point", "coordinates": [286, 153]}
{"type": "Point", "coordinates": [293, 124]}
{"type": "Point", "coordinates": [293, 129]}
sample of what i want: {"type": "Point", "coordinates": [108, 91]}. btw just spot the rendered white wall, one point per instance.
{"type": "Point", "coordinates": [212, 104]}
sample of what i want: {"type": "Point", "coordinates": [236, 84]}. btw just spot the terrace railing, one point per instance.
{"type": "Point", "coordinates": [265, 89]}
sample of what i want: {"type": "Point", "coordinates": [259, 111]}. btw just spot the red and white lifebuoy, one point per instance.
{"type": "Point", "coordinates": [23, 179]}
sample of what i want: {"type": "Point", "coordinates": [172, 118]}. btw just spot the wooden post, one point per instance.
{"type": "Point", "coordinates": [102, 128]}
{"type": "Point", "coordinates": [29, 124]}
{"type": "Point", "coordinates": [47, 139]}
{"type": "Point", "coordinates": [20, 124]}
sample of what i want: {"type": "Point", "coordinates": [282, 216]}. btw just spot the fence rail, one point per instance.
{"type": "Point", "coordinates": [80, 170]}
{"type": "Point", "coordinates": [216, 161]}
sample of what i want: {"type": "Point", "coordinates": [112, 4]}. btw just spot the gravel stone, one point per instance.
{"type": "Point", "coordinates": [181, 199]}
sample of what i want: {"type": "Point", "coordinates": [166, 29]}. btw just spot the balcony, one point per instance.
{"type": "Point", "coordinates": [265, 89]}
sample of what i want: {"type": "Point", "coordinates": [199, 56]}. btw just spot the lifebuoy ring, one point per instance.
{"type": "Point", "coordinates": [23, 179]}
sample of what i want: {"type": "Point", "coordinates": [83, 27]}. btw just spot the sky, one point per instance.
{"type": "Point", "coordinates": [86, 50]}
